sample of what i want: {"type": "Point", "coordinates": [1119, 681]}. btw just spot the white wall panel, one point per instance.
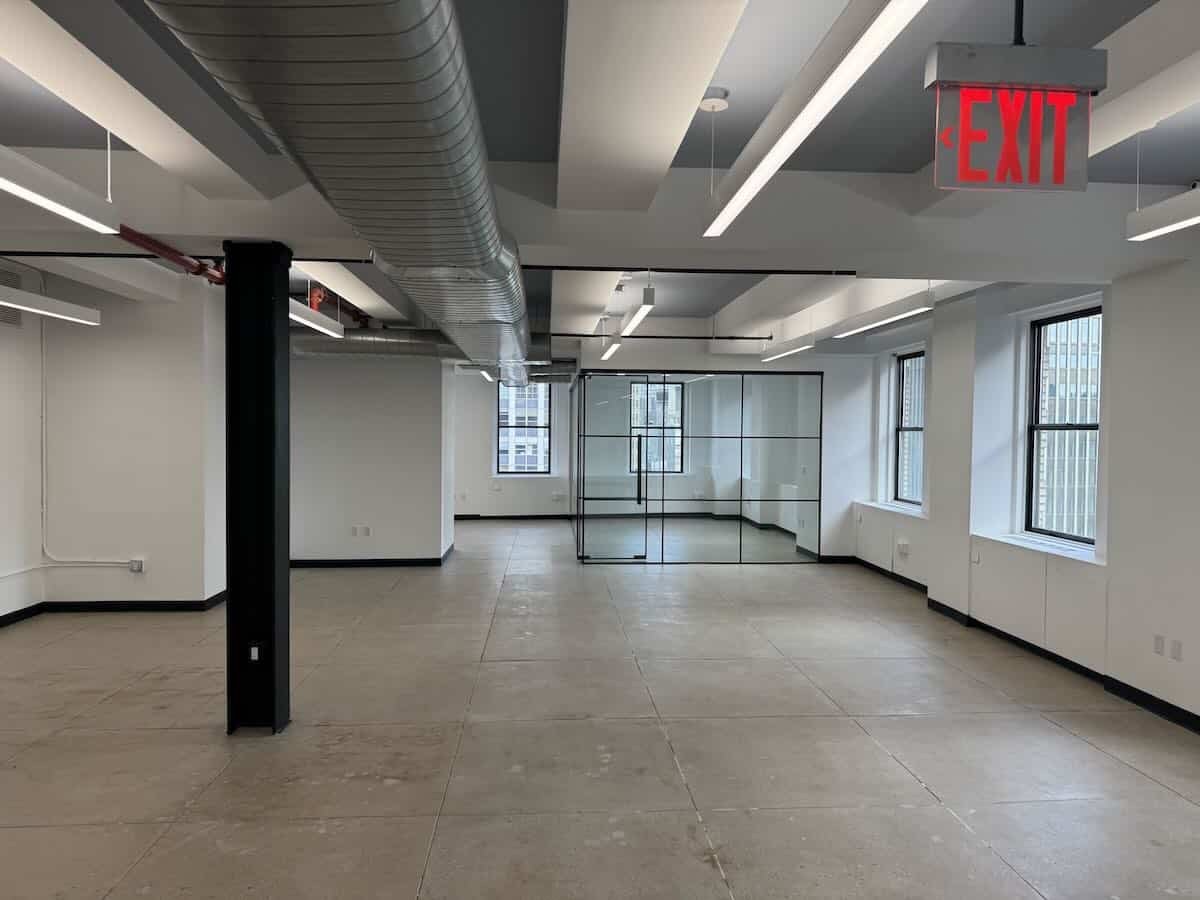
{"type": "Point", "coordinates": [1152, 320]}
{"type": "Point", "coordinates": [1077, 610]}
{"type": "Point", "coordinates": [874, 536]}
{"type": "Point", "coordinates": [1008, 589]}
{"type": "Point", "coordinates": [948, 448]}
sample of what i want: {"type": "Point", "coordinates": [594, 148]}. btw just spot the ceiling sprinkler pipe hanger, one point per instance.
{"type": "Point", "coordinates": [1018, 23]}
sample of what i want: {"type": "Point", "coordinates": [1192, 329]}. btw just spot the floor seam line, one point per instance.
{"type": "Point", "coordinates": [712, 849]}
{"type": "Point", "coordinates": [1118, 759]}
{"type": "Point", "coordinates": [462, 732]}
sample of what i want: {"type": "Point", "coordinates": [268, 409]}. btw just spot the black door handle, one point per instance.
{"type": "Point", "coordinates": [639, 470]}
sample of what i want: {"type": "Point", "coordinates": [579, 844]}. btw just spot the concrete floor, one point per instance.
{"type": "Point", "coordinates": [514, 725]}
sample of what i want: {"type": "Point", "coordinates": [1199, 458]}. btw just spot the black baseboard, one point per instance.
{"type": "Point", "coordinates": [907, 582]}
{"type": "Point", "coordinates": [1169, 711]}
{"type": "Point", "coordinates": [20, 615]}
{"type": "Point", "coordinates": [950, 612]}
{"type": "Point", "coordinates": [84, 606]}
{"type": "Point", "coordinates": [530, 516]}
{"type": "Point", "coordinates": [836, 560]}
{"type": "Point", "coordinates": [381, 563]}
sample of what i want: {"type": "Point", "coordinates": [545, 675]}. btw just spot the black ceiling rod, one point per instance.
{"type": "Point", "coordinates": [1019, 23]}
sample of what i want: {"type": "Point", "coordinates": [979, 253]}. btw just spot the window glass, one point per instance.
{"type": "Point", "coordinates": [1064, 430]}
{"type": "Point", "coordinates": [909, 474]}
{"type": "Point", "coordinates": [523, 429]}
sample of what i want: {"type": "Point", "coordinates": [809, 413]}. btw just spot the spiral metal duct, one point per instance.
{"type": "Point", "coordinates": [374, 101]}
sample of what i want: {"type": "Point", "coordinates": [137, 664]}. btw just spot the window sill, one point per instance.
{"type": "Point", "coordinates": [1052, 546]}
{"type": "Point", "coordinates": [905, 509]}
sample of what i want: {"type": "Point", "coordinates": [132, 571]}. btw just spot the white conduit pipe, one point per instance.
{"type": "Point", "coordinates": [49, 559]}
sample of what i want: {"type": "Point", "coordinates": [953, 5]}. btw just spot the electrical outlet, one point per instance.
{"type": "Point", "coordinates": [365, 530]}
{"type": "Point", "coordinates": [902, 547]}
{"type": "Point", "coordinates": [353, 531]}
{"type": "Point", "coordinates": [1160, 644]}
{"type": "Point", "coordinates": [1177, 651]}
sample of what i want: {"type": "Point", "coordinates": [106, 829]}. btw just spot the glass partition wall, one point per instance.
{"type": "Point", "coordinates": [679, 467]}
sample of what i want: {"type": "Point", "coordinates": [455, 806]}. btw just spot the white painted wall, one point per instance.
{"type": "Point", "coordinates": [127, 430]}
{"type": "Point", "coordinates": [20, 461]}
{"type": "Point", "coordinates": [948, 447]}
{"type": "Point", "coordinates": [214, 445]}
{"type": "Point", "coordinates": [1152, 377]}
{"type": "Point", "coordinates": [478, 490]}
{"type": "Point", "coordinates": [447, 428]}
{"type": "Point", "coordinates": [1101, 609]}
{"type": "Point", "coordinates": [367, 450]}
{"type": "Point", "coordinates": [134, 449]}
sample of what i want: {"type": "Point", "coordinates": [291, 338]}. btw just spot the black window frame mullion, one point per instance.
{"type": "Point", "coordinates": [662, 428]}
{"type": "Point", "coordinates": [1036, 426]}
{"type": "Point", "coordinates": [548, 428]}
{"type": "Point", "coordinates": [900, 429]}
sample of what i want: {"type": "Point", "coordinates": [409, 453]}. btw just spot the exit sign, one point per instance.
{"type": "Point", "coordinates": [1001, 137]}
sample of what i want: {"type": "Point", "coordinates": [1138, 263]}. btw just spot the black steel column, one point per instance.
{"type": "Point", "coordinates": [257, 473]}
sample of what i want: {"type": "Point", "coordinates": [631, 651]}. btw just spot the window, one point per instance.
{"type": "Point", "coordinates": [656, 413]}
{"type": "Point", "coordinates": [523, 429]}
{"type": "Point", "coordinates": [1064, 427]}
{"type": "Point", "coordinates": [909, 474]}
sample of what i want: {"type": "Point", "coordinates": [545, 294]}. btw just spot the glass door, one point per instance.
{"type": "Point", "coordinates": [614, 509]}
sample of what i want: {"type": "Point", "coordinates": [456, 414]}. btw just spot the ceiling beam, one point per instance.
{"type": "Point", "coordinates": [579, 299]}
{"type": "Point", "coordinates": [633, 76]}
{"type": "Point", "coordinates": [134, 279]}
{"type": "Point", "coordinates": [777, 297]}
{"type": "Point", "coordinates": [96, 58]}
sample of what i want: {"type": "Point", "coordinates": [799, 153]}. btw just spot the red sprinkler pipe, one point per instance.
{"type": "Point", "coordinates": [189, 264]}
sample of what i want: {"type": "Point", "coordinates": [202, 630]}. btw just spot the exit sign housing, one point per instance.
{"type": "Point", "coordinates": [1013, 117]}
{"type": "Point", "coordinates": [1012, 138]}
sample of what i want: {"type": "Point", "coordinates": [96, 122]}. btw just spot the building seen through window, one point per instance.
{"type": "Point", "coordinates": [523, 429]}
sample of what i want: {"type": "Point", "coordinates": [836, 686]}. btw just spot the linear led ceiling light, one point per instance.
{"type": "Point", "coordinates": [486, 375]}
{"type": "Point", "coordinates": [891, 21]}
{"type": "Point", "coordinates": [611, 346]}
{"type": "Point", "coordinates": [888, 321]}
{"type": "Point", "coordinates": [1166, 229]}
{"type": "Point", "coordinates": [302, 315]}
{"type": "Point", "coordinates": [781, 354]}
{"type": "Point", "coordinates": [1166, 217]}
{"type": "Point", "coordinates": [635, 315]}
{"type": "Point", "coordinates": [48, 306]}
{"type": "Point", "coordinates": [22, 177]}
